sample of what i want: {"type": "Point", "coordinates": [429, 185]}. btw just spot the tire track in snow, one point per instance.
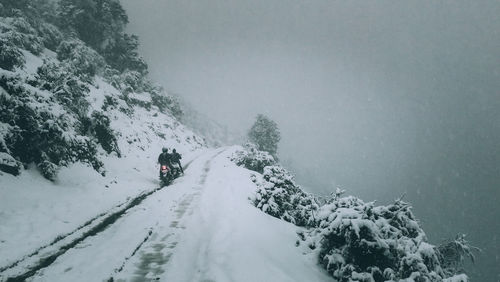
{"type": "Point", "coordinates": [202, 265]}
{"type": "Point", "coordinates": [155, 253]}
{"type": "Point", "coordinates": [45, 255]}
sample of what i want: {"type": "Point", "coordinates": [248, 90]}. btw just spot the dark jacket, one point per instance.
{"type": "Point", "coordinates": [175, 157]}
{"type": "Point", "coordinates": [164, 158]}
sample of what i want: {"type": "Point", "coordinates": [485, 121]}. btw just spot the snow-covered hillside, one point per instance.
{"type": "Point", "coordinates": [35, 211]}
{"type": "Point", "coordinates": [79, 193]}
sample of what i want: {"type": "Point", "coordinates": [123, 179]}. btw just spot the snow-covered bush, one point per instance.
{"type": "Point", "coordinates": [19, 32]}
{"type": "Point", "coordinates": [48, 170]}
{"type": "Point", "coordinates": [454, 253]}
{"type": "Point", "coordinates": [100, 128]}
{"type": "Point", "coordinates": [121, 53]}
{"type": "Point", "coordinates": [167, 103]}
{"type": "Point", "coordinates": [51, 36]}
{"type": "Point", "coordinates": [10, 56]}
{"type": "Point", "coordinates": [278, 195]}
{"type": "Point", "coordinates": [40, 131]}
{"type": "Point", "coordinates": [20, 24]}
{"type": "Point", "coordinates": [8, 164]}
{"type": "Point", "coordinates": [127, 81]}
{"type": "Point", "coordinates": [59, 79]}
{"type": "Point", "coordinates": [131, 81]}
{"type": "Point", "coordinates": [110, 102]}
{"type": "Point", "coordinates": [94, 22]}
{"type": "Point", "coordinates": [85, 61]}
{"type": "Point", "coordinates": [359, 241]}
{"type": "Point", "coordinates": [134, 84]}
{"type": "Point", "coordinates": [253, 159]}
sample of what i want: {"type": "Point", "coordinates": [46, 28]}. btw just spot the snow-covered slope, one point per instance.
{"type": "Point", "coordinates": [45, 208]}
{"type": "Point", "coordinates": [35, 211]}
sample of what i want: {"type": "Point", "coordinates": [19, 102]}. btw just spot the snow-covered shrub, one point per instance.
{"type": "Point", "coordinates": [142, 100]}
{"type": "Point", "coordinates": [48, 170]}
{"type": "Point", "coordinates": [94, 22]}
{"type": "Point", "coordinates": [10, 56]}
{"type": "Point", "coordinates": [109, 102]}
{"type": "Point", "coordinates": [127, 81]}
{"type": "Point", "coordinates": [50, 35]}
{"type": "Point", "coordinates": [85, 61]}
{"type": "Point", "coordinates": [100, 127]}
{"type": "Point", "coordinates": [20, 33]}
{"type": "Point", "coordinates": [71, 93]}
{"type": "Point", "coordinates": [58, 78]}
{"type": "Point", "coordinates": [40, 131]}
{"type": "Point", "coordinates": [278, 195]}
{"type": "Point", "coordinates": [121, 53]}
{"type": "Point", "coordinates": [454, 253]}
{"type": "Point", "coordinates": [166, 103]}
{"type": "Point", "coordinates": [253, 159]}
{"type": "Point", "coordinates": [139, 91]}
{"type": "Point", "coordinates": [132, 81]}
{"type": "Point", "coordinates": [21, 24]}
{"type": "Point", "coordinates": [4, 129]}
{"type": "Point", "coordinates": [8, 164]}
{"type": "Point", "coordinates": [358, 241]}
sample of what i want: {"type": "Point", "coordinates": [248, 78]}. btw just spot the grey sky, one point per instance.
{"type": "Point", "coordinates": [378, 97]}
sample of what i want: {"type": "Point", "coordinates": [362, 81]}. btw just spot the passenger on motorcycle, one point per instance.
{"type": "Point", "coordinates": [176, 159]}
{"type": "Point", "coordinates": [164, 158]}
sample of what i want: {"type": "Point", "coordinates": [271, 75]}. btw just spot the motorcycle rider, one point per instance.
{"type": "Point", "coordinates": [164, 158]}
{"type": "Point", "coordinates": [176, 158]}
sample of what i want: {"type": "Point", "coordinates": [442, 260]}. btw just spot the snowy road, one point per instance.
{"type": "Point", "coordinates": [200, 228]}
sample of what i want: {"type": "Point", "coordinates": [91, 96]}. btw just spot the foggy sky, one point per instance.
{"type": "Point", "coordinates": [381, 98]}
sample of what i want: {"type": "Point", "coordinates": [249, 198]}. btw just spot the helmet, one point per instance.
{"type": "Point", "coordinates": [174, 151]}
{"type": "Point", "coordinates": [164, 149]}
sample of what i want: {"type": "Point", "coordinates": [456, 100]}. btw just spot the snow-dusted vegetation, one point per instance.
{"type": "Point", "coordinates": [279, 196]}
{"type": "Point", "coordinates": [79, 133]}
{"type": "Point", "coordinates": [54, 59]}
{"type": "Point", "coordinates": [354, 240]}
{"type": "Point", "coordinates": [252, 158]}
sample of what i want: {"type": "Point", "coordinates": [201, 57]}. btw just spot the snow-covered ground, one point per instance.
{"type": "Point", "coordinates": [201, 228]}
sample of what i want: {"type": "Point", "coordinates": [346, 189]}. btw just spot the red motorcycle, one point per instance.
{"type": "Point", "coordinates": [168, 174]}
{"type": "Point", "coordinates": [165, 175]}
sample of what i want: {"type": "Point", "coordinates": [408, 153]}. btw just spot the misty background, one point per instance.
{"type": "Point", "coordinates": [380, 98]}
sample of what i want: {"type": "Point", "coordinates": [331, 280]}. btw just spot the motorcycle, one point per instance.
{"type": "Point", "coordinates": [167, 174]}
{"type": "Point", "coordinates": [176, 171]}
